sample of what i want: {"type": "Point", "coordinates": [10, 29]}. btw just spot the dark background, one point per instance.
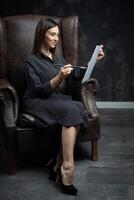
{"type": "Point", "coordinates": [107, 22]}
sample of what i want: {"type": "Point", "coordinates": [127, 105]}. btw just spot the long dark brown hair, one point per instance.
{"type": "Point", "coordinates": [41, 28]}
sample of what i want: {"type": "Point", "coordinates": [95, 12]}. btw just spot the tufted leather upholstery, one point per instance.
{"type": "Point", "coordinates": [16, 39]}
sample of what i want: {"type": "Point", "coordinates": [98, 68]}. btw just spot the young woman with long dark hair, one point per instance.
{"type": "Point", "coordinates": [45, 101]}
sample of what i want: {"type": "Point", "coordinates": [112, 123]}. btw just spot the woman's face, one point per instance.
{"type": "Point", "coordinates": [51, 37]}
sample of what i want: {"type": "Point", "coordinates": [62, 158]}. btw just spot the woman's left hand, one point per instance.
{"type": "Point", "coordinates": [100, 54]}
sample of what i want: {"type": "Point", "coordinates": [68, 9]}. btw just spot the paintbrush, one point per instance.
{"type": "Point", "coordinates": [73, 66]}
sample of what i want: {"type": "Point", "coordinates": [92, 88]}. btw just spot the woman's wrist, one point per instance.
{"type": "Point", "coordinates": [56, 81]}
{"type": "Point", "coordinates": [59, 78]}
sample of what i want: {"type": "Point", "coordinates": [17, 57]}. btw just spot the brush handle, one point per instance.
{"type": "Point", "coordinates": [73, 66]}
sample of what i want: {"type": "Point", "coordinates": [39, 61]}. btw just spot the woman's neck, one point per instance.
{"type": "Point", "coordinates": [47, 52]}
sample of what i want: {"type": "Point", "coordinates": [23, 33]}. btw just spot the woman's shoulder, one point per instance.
{"type": "Point", "coordinates": [31, 57]}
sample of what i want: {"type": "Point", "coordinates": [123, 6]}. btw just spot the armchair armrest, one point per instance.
{"type": "Point", "coordinates": [9, 98]}
{"type": "Point", "coordinates": [92, 85]}
{"type": "Point", "coordinates": [88, 90]}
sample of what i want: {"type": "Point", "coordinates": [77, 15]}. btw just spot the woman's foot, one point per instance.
{"type": "Point", "coordinates": [62, 176]}
{"type": "Point", "coordinates": [66, 179]}
{"type": "Point", "coordinates": [69, 189]}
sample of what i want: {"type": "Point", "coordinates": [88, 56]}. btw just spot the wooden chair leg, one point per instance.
{"type": "Point", "coordinates": [12, 163]}
{"type": "Point", "coordinates": [8, 162]}
{"type": "Point", "coordinates": [11, 152]}
{"type": "Point", "coordinates": [94, 150]}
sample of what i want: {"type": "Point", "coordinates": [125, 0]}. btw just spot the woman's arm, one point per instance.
{"type": "Point", "coordinates": [45, 89]}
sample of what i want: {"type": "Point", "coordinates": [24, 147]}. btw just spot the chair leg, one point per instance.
{"type": "Point", "coordinates": [8, 162]}
{"type": "Point", "coordinates": [94, 150]}
{"type": "Point", "coordinates": [12, 163]}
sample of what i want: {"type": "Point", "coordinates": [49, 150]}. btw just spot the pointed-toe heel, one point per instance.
{"type": "Point", "coordinates": [52, 173]}
{"type": "Point", "coordinates": [69, 189]}
{"type": "Point", "coordinates": [53, 176]}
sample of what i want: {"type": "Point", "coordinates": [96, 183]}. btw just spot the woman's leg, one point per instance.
{"type": "Point", "coordinates": [68, 142]}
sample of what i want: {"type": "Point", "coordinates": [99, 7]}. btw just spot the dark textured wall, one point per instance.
{"type": "Point", "coordinates": [106, 22]}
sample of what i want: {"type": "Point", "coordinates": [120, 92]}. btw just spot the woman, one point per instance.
{"type": "Point", "coordinates": [44, 100]}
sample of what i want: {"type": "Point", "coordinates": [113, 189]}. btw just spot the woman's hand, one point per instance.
{"type": "Point", "coordinates": [65, 71]}
{"type": "Point", "coordinates": [100, 54]}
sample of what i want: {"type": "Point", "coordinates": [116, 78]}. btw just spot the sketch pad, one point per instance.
{"type": "Point", "coordinates": [91, 64]}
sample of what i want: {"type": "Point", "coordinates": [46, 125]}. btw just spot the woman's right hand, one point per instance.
{"type": "Point", "coordinates": [65, 71]}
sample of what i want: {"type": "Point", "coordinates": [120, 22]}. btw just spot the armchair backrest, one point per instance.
{"type": "Point", "coordinates": [16, 40]}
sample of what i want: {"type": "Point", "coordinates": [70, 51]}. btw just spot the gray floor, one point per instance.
{"type": "Point", "coordinates": [110, 178]}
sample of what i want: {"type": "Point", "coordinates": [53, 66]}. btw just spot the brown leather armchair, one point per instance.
{"type": "Point", "coordinates": [16, 131]}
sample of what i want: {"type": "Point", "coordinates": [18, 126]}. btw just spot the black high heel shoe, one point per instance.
{"type": "Point", "coordinates": [66, 189]}
{"type": "Point", "coordinates": [56, 177]}
{"type": "Point", "coordinates": [69, 189]}
{"type": "Point", "coordinates": [52, 174]}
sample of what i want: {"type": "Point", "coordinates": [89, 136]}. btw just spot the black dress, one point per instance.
{"type": "Point", "coordinates": [47, 106]}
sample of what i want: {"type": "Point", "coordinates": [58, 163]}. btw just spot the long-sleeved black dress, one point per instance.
{"type": "Point", "coordinates": [47, 106]}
